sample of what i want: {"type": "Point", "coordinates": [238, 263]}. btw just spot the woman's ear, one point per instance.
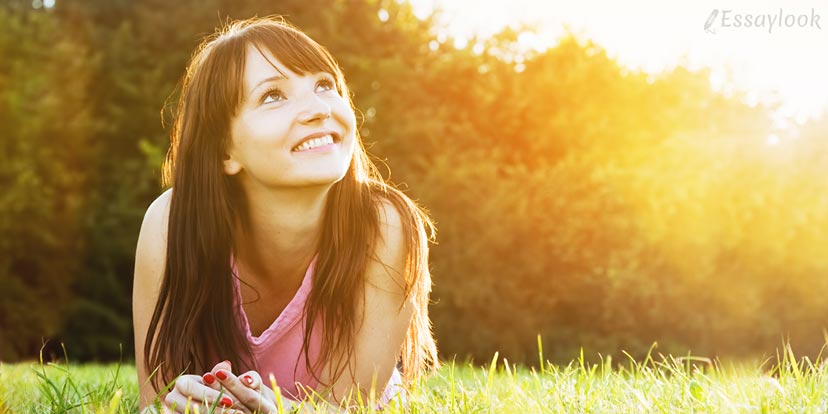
{"type": "Point", "coordinates": [231, 166]}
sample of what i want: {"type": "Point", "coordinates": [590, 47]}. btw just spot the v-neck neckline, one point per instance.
{"type": "Point", "coordinates": [289, 316]}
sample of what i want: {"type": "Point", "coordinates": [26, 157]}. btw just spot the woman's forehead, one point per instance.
{"type": "Point", "coordinates": [261, 65]}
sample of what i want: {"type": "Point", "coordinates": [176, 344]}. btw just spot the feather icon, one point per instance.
{"type": "Point", "coordinates": [710, 20]}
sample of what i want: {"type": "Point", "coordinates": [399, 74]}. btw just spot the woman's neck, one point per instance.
{"type": "Point", "coordinates": [283, 234]}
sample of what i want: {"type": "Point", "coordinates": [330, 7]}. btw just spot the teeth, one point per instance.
{"type": "Point", "coordinates": [316, 142]}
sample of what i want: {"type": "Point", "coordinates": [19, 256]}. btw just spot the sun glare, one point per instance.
{"type": "Point", "coordinates": [776, 58]}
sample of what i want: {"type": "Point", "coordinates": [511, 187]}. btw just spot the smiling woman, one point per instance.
{"type": "Point", "coordinates": [283, 110]}
{"type": "Point", "coordinates": [279, 250]}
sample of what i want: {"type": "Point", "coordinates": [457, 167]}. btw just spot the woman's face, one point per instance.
{"type": "Point", "coordinates": [280, 113]}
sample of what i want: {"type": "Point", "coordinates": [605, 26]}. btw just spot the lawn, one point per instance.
{"type": "Point", "coordinates": [662, 384]}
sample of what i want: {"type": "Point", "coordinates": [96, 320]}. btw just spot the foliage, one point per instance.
{"type": "Point", "coordinates": [47, 147]}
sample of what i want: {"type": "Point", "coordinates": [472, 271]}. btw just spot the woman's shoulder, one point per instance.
{"type": "Point", "coordinates": [390, 216]}
{"type": "Point", "coordinates": [152, 239]}
{"type": "Point", "coordinates": [396, 212]}
{"type": "Point", "coordinates": [158, 212]}
{"type": "Point", "coordinates": [160, 207]}
{"type": "Point", "coordinates": [390, 248]}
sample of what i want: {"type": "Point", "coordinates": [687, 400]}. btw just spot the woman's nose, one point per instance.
{"type": "Point", "coordinates": [314, 109]}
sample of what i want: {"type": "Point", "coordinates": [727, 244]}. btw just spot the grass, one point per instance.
{"type": "Point", "coordinates": [662, 384]}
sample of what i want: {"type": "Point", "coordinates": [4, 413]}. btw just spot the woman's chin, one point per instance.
{"type": "Point", "coordinates": [320, 178]}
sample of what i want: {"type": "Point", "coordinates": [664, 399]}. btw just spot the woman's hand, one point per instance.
{"type": "Point", "coordinates": [248, 393]}
{"type": "Point", "coordinates": [203, 392]}
{"type": "Point", "coordinates": [245, 393]}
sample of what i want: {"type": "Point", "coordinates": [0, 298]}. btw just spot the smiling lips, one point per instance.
{"type": "Point", "coordinates": [316, 139]}
{"type": "Point", "coordinates": [315, 143]}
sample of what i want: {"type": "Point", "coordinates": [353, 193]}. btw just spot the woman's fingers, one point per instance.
{"type": "Point", "coordinates": [251, 379]}
{"type": "Point", "coordinates": [251, 399]}
{"type": "Point", "coordinates": [225, 365]}
{"type": "Point", "coordinates": [177, 403]}
{"type": "Point", "coordinates": [210, 381]}
{"type": "Point", "coordinates": [254, 381]}
{"type": "Point", "coordinates": [193, 386]}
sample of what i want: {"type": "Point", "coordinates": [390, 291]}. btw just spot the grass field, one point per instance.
{"type": "Point", "coordinates": [660, 384]}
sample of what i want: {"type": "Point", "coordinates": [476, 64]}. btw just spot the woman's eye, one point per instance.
{"type": "Point", "coordinates": [327, 83]}
{"type": "Point", "coordinates": [272, 95]}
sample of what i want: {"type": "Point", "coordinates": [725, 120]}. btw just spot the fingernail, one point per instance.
{"type": "Point", "coordinates": [221, 375]}
{"type": "Point", "coordinates": [227, 361]}
{"type": "Point", "coordinates": [248, 379]}
{"type": "Point", "coordinates": [226, 402]}
{"type": "Point", "coordinates": [208, 378]}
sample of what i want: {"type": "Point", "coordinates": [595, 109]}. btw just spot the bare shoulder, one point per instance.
{"type": "Point", "coordinates": [159, 209]}
{"type": "Point", "coordinates": [389, 215]}
{"type": "Point", "coordinates": [158, 213]}
{"type": "Point", "coordinates": [387, 270]}
{"type": "Point", "coordinates": [151, 250]}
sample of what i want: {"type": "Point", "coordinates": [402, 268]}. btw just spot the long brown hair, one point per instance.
{"type": "Point", "coordinates": [206, 203]}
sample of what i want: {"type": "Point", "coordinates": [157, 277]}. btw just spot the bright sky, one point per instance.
{"type": "Point", "coordinates": [788, 62]}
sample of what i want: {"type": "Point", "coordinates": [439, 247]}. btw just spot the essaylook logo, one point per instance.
{"type": "Point", "coordinates": [734, 19]}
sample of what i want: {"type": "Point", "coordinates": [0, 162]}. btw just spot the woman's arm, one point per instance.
{"type": "Point", "coordinates": [150, 260]}
{"type": "Point", "coordinates": [386, 313]}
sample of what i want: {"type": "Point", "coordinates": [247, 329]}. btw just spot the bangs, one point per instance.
{"type": "Point", "coordinates": [295, 50]}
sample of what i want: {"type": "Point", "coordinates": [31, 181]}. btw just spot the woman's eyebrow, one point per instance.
{"type": "Point", "coordinates": [266, 80]}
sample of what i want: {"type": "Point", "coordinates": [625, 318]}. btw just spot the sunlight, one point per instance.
{"type": "Point", "coordinates": [777, 64]}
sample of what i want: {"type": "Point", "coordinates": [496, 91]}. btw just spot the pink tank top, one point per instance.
{"type": "Point", "coordinates": [278, 350]}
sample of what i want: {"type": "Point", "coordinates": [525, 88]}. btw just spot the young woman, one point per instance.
{"type": "Point", "coordinates": [279, 250]}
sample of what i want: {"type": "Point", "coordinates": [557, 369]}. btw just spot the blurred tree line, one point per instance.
{"type": "Point", "coordinates": [595, 205]}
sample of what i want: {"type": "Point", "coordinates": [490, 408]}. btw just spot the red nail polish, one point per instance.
{"type": "Point", "coordinates": [208, 378]}
{"type": "Point", "coordinates": [221, 375]}
{"type": "Point", "coordinates": [226, 402]}
{"type": "Point", "coordinates": [248, 379]}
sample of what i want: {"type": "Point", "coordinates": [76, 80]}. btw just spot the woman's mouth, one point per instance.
{"type": "Point", "coordinates": [321, 144]}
